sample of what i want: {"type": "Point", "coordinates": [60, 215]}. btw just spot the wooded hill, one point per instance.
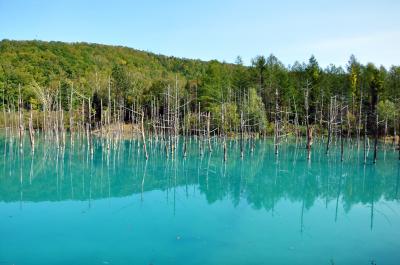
{"type": "Point", "coordinates": [263, 93]}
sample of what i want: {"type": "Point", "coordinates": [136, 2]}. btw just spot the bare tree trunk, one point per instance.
{"type": "Point", "coordinates": [394, 132]}
{"type": "Point", "coordinates": [359, 120]}
{"type": "Point", "coordinates": [385, 133]}
{"type": "Point", "coordinates": [223, 131]}
{"type": "Point", "coordinates": [144, 136]}
{"type": "Point", "coordinates": [365, 138]}
{"type": "Point", "coordinates": [309, 130]}
{"type": "Point", "coordinates": [376, 136]}
{"type": "Point", "coordinates": [296, 120]}
{"type": "Point", "coordinates": [341, 134]}
{"type": "Point", "coordinates": [241, 134]}
{"type": "Point", "coordinates": [322, 110]}
{"type": "Point", "coordinates": [62, 127]}
{"type": "Point", "coordinates": [276, 122]}
{"type": "Point", "coordinates": [61, 121]}
{"type": "Point", "coordinates": [83, 127]}
{"type": "Point", "coordinates": [21, 126]}
{"type": "Point", "coordinates": [102, 122]}
{"type": "Point", "coordinates": [4, 110]}
{"type": "Point", "coordinates": [71, 116]}
{"type": "Point", "coordinates": [31, 131]}
{"type": "Point", "coordinates": [208, 132]}
{"type": "Point", "coordinates": [199, 130]}
{"type": "Point", "coordinates": [185, 130]}
{"type": "Point", "coordinates": [109, 113]}
{"type": "Point", "coordinates": [176, 114]}
{"type": "Point", "coordinates": [329, 127]}
{"type": "Point", "coordinates": [90, 114]}
{"type": "Point", "coordinates": [55, 122]}
{"type": "Point", "coordinates": [348, 123]}
{"type": "Point", "coordinates": [44, 122]}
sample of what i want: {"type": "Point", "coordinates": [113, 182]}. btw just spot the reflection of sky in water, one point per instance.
{"type": "Point", "coordinates": [64, 207]}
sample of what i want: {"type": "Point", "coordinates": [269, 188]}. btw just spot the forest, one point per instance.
{"type": "Point", "coordinates": [89, 86]}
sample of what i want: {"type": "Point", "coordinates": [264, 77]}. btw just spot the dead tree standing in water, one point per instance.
{"type": "Point", "coordinates": [241, 134]}
{"type": "Point", "coordinates": [144, 136]}
{"type": "Point", "coordinates": [341, 133]}
{"type": "Point", "coordinates": [31, 131]}
{"type": "Point", "coordinates": [398, 142]}
{"type": "Point", "coordinates": [375, 116]}
{"type": "Point", "coordinates": [21, 126]}
{"type": "Point", "coordinates": [223, 131]}
{"type": "Point", "coordinates": [276, 138]}
{"type": "Point", "coordinates": [308, 127]}
{"type": "Point", "coordinates": [365, 138]}
{"type": "Point", "coordinates": [208, 132]}
{"type": "Point", "coordinates": [185, 129]}
{"type": "Point", "coordinates": [330, 120]}
{"type": "Point", "coordinates": [71, 116]}
{"type": "Point", "coordinates": [376, 136]}
{"type": "Point", "coordinates": [296, 120]}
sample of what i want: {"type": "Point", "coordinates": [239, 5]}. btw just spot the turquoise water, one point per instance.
{"type": "Point", "coordinates": [68, 207]}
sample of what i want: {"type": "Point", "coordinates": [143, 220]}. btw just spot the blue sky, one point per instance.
{"type": "Point", "coordinates": [218, 29]}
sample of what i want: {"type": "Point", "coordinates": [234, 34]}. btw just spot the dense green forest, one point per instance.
{"type": "Point", "coordinates": [265, 92]}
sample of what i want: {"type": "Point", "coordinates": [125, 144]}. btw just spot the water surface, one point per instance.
{"type": "Point", "coordinates": [65, 206]}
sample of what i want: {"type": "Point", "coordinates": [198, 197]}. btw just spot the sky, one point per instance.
{"type": "Point", "coordinates": [218, 29]}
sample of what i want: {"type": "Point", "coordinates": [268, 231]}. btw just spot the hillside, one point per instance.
{"type": "Point", "coordinates": [26, 61]}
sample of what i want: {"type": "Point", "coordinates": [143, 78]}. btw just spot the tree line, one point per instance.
{"type": "Point", "coordinates": [105, 83]}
